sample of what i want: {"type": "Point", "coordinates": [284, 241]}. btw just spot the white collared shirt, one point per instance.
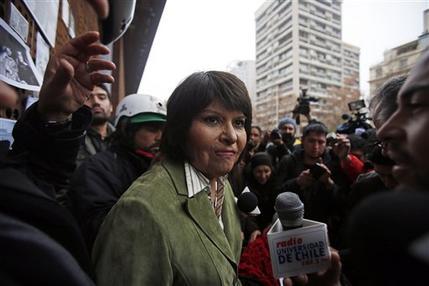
{"type": "Point", "coordinates": [196, 182]}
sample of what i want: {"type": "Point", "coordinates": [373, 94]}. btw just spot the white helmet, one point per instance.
{"type": "Point", "coordinates": [141, 108]}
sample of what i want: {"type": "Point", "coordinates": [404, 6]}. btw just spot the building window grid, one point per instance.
{"type": "Point", "coordinates": [331, 48]}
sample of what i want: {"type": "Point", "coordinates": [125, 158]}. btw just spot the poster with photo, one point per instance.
{"type": "Point", "coordinates": [65, 12]}
{"type": "Point", "coordinates": [72, 26]}
{"type": "Point", "coordinates": [18, 23]}
{"type": "Point", "coordinates": [6, 127]}
{"type": "Point", "coordinates": [16, 65]}
{"type": "Point", "coordinates": [42, 54]}
{"type": "Point", "coordinates": [45, 13]}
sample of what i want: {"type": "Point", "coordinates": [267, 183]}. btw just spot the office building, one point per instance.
{"type": "Point", "coordinates": [399, 60]}
{"type": "Point", "coordinates": [299, 46]}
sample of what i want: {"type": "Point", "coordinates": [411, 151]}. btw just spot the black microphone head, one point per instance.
{"type": "Point", "coordinates": [290, 209]}
{"type": "Point", "coordinates": [247, 202]}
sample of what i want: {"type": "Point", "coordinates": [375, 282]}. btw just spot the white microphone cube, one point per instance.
{"type": "Point", "coordinates": [300, 250]}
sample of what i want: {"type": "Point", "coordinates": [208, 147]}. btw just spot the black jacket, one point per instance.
{"type": "Point", "coordinates": [266, 195]}
{"type": "Point", "coordinates": [366, 185]}
{"type": "Point", "coordinates": [93, 144]}
{"type": "Point", "coordinates": [320, 204]}
{"type": "Point", "coordinates": [30, 257]}
{"type": "Point", "coordinates": [41, 162]}
{"type": "Point", "coordinates": [277, 152]}
{"type": "Point", "coordinates": [99, 183]}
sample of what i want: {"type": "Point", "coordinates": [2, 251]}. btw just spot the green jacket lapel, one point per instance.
{"type": "Point", "coordinates": [200, 211]}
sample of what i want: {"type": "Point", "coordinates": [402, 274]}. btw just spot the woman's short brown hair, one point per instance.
{"type": "Point", "coordinates": [194, 94]}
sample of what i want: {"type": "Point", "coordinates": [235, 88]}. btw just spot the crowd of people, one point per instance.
{"type": "Point", "coordinates": [149, 197]}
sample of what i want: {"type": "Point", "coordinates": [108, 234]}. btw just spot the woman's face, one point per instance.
{"type": "Point", "coordinates": [216, 139]}
{"type": "Point", "coordinates": [262, 174]}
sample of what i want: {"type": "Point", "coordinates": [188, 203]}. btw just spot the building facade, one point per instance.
{"type": "Point", "coordinates": [299, 46]}
{"type": "Point", "coordinates": [399, 60]}
{"type": "Point", "coordinates": [44, 26]}
{"type": "Point", "coordinates": [245, 70]}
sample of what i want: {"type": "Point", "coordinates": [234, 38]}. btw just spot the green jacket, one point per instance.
{"type": "Point", "coordinates": [155, 235]}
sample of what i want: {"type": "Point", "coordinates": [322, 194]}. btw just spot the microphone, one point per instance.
{"type": "Point", "coordinates": [247, 202]}
{"type": "Point", "coordinates": [297, 245]}
{"type": "Point", "coordinates": [290, 210]}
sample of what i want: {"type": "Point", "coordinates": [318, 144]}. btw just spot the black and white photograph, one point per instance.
{"type": "Point", "coordinates": [72, 26]}
{"type": "Point", "coordinates": [16, 65]}
{"type": "Point", "coordinates": [18, 22]}
{"type": "Point", "coordinates": [45, 13]}
{"type": "Point", "coordinates": [42, 54]}
{"type": "Point", "coordinates": [65, 12]}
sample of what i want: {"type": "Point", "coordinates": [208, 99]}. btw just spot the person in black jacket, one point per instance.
{"type": "Point", "coordinates": [97, 137]}
{"type": "Point", "coordinates": [261, 181]}
{"type": "Point", "coordinates": [101, 180]}
{"type": "Point", "coordinates": [315, 174]}
{"type": "Point", "coordinates": [283, 139]}
{"type": "Point", "coordinates": [43, 155]}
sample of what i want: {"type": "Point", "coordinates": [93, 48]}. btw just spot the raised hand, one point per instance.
{"type": "Point", "coordinates": [342, 147]}
{"type": "Point", "coordinates": [71, 75]}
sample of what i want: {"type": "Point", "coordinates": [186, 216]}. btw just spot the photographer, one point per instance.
{"type": "Point", "coordinates": [278, 149]}
{"type": "Point", "coordinates": [283, 139]}
{"type": "Point", "coordinates": [318, 176]}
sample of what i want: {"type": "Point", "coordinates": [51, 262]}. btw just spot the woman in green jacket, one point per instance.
{"type": "Point", "coordinates": [178, 223]}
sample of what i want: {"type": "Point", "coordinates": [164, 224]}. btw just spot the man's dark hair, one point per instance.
{"type": "Point", "coordinates": [194, 94]}
{"type": "Point", "coordinates": [316, 127]}
{"type": "Point", "coordinates": [383, 104]}
{"type": "Point", "coordinates": [104, 87]}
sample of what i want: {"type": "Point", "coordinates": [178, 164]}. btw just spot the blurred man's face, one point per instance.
{"type": "Point", "coordinates": [100, 105]}
{"type": "Point", "coordinates": [288, 129]}
{"type": "Point", "coordinates": [406, 131]}
{"type": "Point", "coordinates": [314, 145]}
{"type": "Point", "coordinates": [255, 135]}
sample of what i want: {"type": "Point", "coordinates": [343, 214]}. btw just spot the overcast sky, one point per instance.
{"type": "Point", "coordinates": [196, 35]}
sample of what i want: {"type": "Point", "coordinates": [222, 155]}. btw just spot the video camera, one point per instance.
{"type": "Point", "coordinates": [275, 134]}
{"type": "Point", "coordinates": [357, 120]}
